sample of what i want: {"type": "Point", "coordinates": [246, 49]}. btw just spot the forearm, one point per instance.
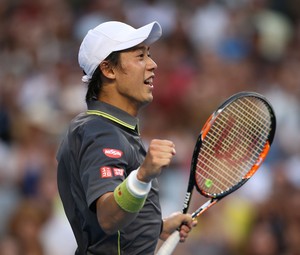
{"type": "Point", "coordinates": [113, 217]}
{"type": "Point", "coordinates": [117, 209]}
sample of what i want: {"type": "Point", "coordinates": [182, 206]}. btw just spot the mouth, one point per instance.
{"type": "Point", "coordinates": [149, 81]}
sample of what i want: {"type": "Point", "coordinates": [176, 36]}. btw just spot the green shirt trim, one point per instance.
{"type": "Point", "coordinates": [119, 242]}
{"type": "Point", "coordinates": [110, 117]}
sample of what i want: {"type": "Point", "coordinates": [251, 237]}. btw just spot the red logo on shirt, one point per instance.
{"type": "Point", "coordinates": [118, 171]}
{"type": "Point", "coordinates": [112, 153]}
{"type": "Point", "coordinates": [105, 172]}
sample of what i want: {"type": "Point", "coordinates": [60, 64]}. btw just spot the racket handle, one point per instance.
{"type": "Point", "coordinates": [170, 244]}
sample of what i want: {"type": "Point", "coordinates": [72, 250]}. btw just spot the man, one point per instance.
{"type": "Point", "coordinates": [106, 178]}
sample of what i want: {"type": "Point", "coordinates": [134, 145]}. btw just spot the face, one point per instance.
{"type": "Point", "coordinates": [134, 79]}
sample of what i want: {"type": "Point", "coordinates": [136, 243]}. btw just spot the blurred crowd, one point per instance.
{"type": "Point", "coordinates": [210, 49]}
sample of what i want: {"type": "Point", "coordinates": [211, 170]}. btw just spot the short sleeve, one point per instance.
{"type": "Point", "coordinates": [103, 159]}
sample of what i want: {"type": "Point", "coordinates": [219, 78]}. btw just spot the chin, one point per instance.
{"type": "Point", "coordinates": [147, 101]}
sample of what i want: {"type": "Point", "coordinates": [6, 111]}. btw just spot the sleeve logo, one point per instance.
{"type": "Point", "coordinates": [118, 172]}
{"type": "Point", "coordinates": [109, 172]}
{"type": "Point", "coordinates": [112, 153]}
{"type": "Point", "coordinates": [106, 172]}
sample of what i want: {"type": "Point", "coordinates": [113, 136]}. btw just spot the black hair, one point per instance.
{"type": "Point", "coordinates": [95, 84]}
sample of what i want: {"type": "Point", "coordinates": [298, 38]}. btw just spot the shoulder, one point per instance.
{"type": "Point", "coordinates": [89, 128]}
{"type": "Point", "coordinates": [88, 123]}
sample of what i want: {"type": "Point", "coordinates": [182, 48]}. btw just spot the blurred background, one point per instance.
{"type": "Point", "coordinates": [209, 50]}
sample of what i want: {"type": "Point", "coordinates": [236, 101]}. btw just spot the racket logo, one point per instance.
{"type": "Point", "coordinates": [239, 148]}
{"type": "Point", "coordinates": [186, 200]}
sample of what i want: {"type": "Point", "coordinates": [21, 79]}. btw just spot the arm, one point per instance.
{"type": "Point", "coordinates": [111, 216]}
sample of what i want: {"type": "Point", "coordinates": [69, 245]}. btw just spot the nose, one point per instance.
{"type": "Point", "coordinates": [151, 64]}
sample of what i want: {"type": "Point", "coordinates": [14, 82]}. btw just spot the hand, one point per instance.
{"type": "Point", "coordinates": [184, 222]}
{"type": "Point", "coordinates": [159, 155]}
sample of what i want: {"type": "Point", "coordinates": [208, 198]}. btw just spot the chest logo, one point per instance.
{"type": "Point", "coordinates": [112, 153]}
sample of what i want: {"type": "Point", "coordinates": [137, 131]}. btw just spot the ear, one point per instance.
{"type": "Point", "coordinates": [107, 70]}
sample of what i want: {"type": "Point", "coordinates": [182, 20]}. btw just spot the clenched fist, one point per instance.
{"type": "Point", "coordinates": [159, 155]}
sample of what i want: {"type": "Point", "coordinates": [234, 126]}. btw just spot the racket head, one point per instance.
{"type": "Point", "coordinates": [232, 144]}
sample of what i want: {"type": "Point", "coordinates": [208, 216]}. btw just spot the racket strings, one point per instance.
{"type": "Point", "coordinates": [234, 156]}
{"type": "Point", "coordinates": [247, 138]}
{"type": "Point", "coordinates": [232, 145]}
{"type": "Point", "coordinates": [260, 113]}
{"type": "Point", "coordinates": [260, 120]}
{"type": "Point", "coordinates": [233, 175]}
{"type": "Point", "coordinates": [217, 179]}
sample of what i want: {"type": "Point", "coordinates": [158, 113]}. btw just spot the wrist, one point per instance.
{"type": "Point", "coordinates": [131, 194]}
{"type": "Point", "coordinates": [136, 187]}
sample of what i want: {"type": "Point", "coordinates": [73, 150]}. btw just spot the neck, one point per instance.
{"type": "Point", "coordinates": [128, 107]}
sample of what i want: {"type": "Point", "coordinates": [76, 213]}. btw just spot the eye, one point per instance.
{"type": "Point", "coordinates": [142, 52]}
{"type": "Point", "coordinates": [142, 55]}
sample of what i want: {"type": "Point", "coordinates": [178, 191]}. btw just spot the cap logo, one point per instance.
{"type": "Point", "coordinates": [112, 153]}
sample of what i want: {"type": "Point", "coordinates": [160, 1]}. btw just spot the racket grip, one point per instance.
{"type": "Point", "coordinates": [170, 244]}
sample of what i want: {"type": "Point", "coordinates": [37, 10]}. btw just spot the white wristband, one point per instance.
{"type": "Point", "coordinates": [136, 187]}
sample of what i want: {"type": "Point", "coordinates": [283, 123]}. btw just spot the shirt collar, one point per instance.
{"type": "Point", "coordinates": [113, 113]}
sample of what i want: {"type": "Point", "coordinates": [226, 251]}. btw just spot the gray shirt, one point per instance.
{"type": "Point", "coordinates": [100, 149]}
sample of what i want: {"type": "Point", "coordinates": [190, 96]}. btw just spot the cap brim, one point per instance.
{"type": "Point", "coordinates": [147, 34]}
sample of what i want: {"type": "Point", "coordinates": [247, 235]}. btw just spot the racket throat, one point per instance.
{"type": "Point", "coordinates": [204, 207]}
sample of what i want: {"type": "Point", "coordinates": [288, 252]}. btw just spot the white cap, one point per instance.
{"type": "Point", "coordinates": [112, 36]}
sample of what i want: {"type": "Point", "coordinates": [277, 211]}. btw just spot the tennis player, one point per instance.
{"type": "Point", "coordinates": [107, 180]}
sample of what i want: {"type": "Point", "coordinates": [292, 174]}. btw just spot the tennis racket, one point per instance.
{"type": "Point", "coordinates": [230, 148]}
